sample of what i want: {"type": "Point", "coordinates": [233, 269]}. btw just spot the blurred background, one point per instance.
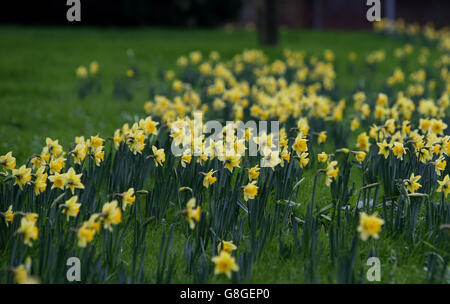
{"type": "Point", "coordinates": [267, 16]}
{"type": "Point", "coordinates": [212, 13]}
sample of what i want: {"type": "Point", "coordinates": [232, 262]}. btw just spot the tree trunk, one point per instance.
{"type": "Point", "coordinates": [267, 22]}
{"type": "Point", "coordinates": [318, 14]}
{"type": "Point", "coordinates": [390, 10]}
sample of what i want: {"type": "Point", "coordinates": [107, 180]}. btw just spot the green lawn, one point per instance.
{"type": "Point", "coordinates": [38, 99]}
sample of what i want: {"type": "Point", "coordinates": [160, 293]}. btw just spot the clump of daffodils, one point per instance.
{"type": "Point", "coordinates": [405, 127]}
{"type": "Point", "coordinates": [69, 180]}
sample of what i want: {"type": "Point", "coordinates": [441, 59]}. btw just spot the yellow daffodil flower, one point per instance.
{"type": "Point", "coordinates": [250, 191]}
{"type": "Point", "coordinates": [225, 264]}
{"type": "Point", "coordinates": [369, 225]}
{"type": "Point", "coordinates": [71, 207]}
{"type": "Point", "coordinates": [412, 183]}
{"type": "Point", "coordinates": [226, 246]}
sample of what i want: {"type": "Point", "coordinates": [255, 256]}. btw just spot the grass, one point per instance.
{"type": "Point", "coordinates": [38, 99]}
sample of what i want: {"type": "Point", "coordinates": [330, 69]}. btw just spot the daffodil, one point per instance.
{"type": "Point", "coordinates": [250, 191]}
{"type": "Point", "coordinates": [96, 141]}
{"type": "Point", "coordinates": [209, 179]}
{"type": "Point", "coordinates": [303, 159]}
{"type": "Point", "coordinates": [424, 155]}
{"type": "Point", "coordinates": [225, 264]}
{"type": "Point", "coordinates": [231, 162]}
{"type": "Point", "coordinates": [71, 207]}
{"type": "Point", "coordinates": [399, 150]}
{"type": "Point", "coordinates": [438, 126]}
{"type": "Point", "coordinates": [22, 273]}
{"type": "Point", "coordinates": [285, 156]}
{"type": "Point", "coordinates": [37, 162]}
{"type": "Point", "coordinates": [56, 164]}
{"type": "Point", "coordinates": [21, 176]}
{"type": "Point", "coordinates": [88, 230]}
{"type": "Point", "coordinates": [363, 142]}
{"type": "Point", "coordinates": [28, 228]}
{"type": "Point", "coordinates": [149, 126]}
{"type": "Point", "coordinates": [300, 145]}
{"type": "Point", "coordinates": [331, 172]}
{"type": "Point", "coordinates": [412, 183]}
{"type": "Point", "coordinates": [182, 189]}
{"type": "Point", "coordinates": [8, 215]}
{"type": "Point", "coordinates": [111, 214]}
{"type": "Point", "coordinates": [226, 246]}
{"type": "Point", "coordinates": [424, 124]}
{"type": "Point", "coordinates": [94, 67]}
{"type": "Point", "coordinates": [270, 158]}
{"type": "Point", "coordinates": [192, 213]}
{"type": "Point", "coordinates": [73, 180]}
{"type": "Point", "coordinates": [130, 73]}
{"type": "Point", "coordinates": [439, 165]}
{"type": "Point", "coordinates": [53, 147]}
{"type": "Point", "coordinates": [444, 185]}
{"type": "Point", "coordinates": [7, 161]}
{"type": "Point", "coordinates": [40, 182]}
{"type": "Point", "coordinates": [186, 159]}
{"type": "Point", "coordinates": [303, 126]}
{"type": "Point", "coordinates": [253, 173]}
{"type": "Point", "coordinates": [384, 148]}
{"type": "Point", "coordinates": [135, 140]}
{"type": "Point", "coordinates": [360, 156]}
{"type": "Point", "coordinates": [159, 156]}
{"type": "Point", "coordinates": [322, 137]}
{"type": "Point", "coordinates": [99, 155]}
{"type": "Point", "coordinates": [118, 138]}
{"type": "Point", "coordinates": [369, 225]}
{"type": "Point", "coordinates": [322, 157]}
{"type": "Point", "coordinates": [81, 72]}
{"type": "Point", "coordinates": [128, 198]}
{"type": "Point", "coordinates": [79, 153]}
{"type": "Point", "coordinates": [354, 124]}
{"type": "Point", "coordinates": [58, 180]}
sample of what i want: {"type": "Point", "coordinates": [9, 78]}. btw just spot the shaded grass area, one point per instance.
{"type": "Point", "coordinates": [38, 99]}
